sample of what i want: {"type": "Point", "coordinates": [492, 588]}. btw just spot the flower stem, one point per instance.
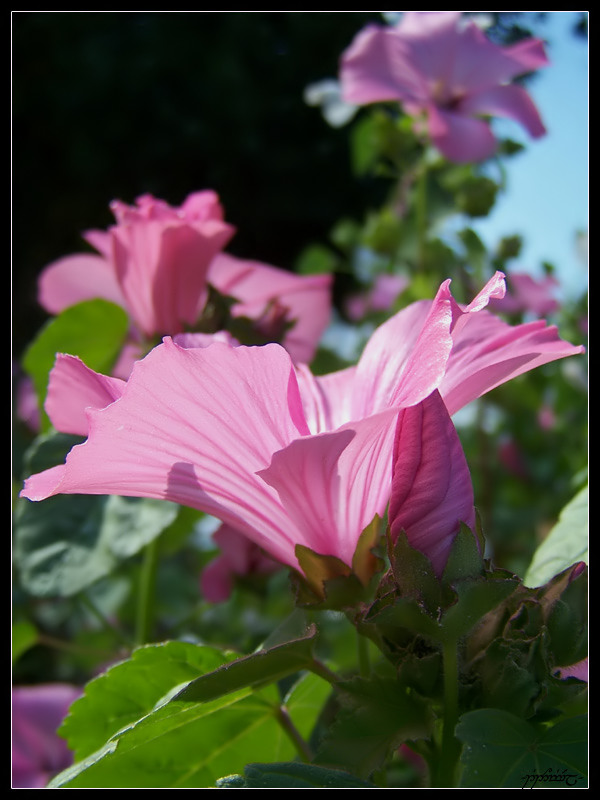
{"type": "Point", "coordinates": [318, 668]}
{"type": "Point", "coordinates": [444, 769]}
{"type": "Point", "coordinates": [421, 212]}
{"type": "Point", "coordinates": [288, 726]}
{"type": "Point", "coordinates": [106, 623]}
{"type": "Point", "coordinates": [364, 662]}
{"type": "Point", "coordinates": [146, 600]}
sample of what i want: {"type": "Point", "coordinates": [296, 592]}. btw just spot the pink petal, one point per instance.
{"type": "Point", "coordinates": [71, 280]}
{"type": "Point", "coordinates": [406, 358]}
{"type": "Point", "coordinates": [194, 426]}
{"type": "Point", "coordinates": [488, 352]}
{"type": "Point", "coordinates": [529, 54]}
{"type": "Point", "coordinates": [72, 388]}
{"type": "Point", "coordinates": [38, 752]}
{"type": "Point", "coordinates": [482, 64]}
{"type": "Point", "coordinates": [326, 399]}
{"type": "Point", "coordinates": [203, 205]}
{"type": "Point", "coordinates": [216, 581]}
{"type": "Point", "coordinates": [460, 138]}
{"type": "Point", "coordinates": [432, 491]}
{"type": "Point", "coordinates": [239, 556]}
{"type": "Point", "coordinates": [162, 268]}
{"type": "Point", "coordinates": [333, 484]}
{"type": "Point", "coordinates": [511, 102]}
{"type": "Point", "coordinates": [579, 671]}
{"type": "Point", "coordinates": [305, 299]}
{"type": "Point", "coordinates": [377, 67]}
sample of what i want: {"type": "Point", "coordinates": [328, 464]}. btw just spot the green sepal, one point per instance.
{"type": "Point", "coordinates": [327, 582]}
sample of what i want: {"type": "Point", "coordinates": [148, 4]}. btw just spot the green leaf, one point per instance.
{"type": "Point", "coordinates": [292, 775]}
{"type": "Point", "coordinates": [305, 700]}
{"type": "Point", "coordinates": [565, 545]}
{"type": "Point", "coordinates": [503, 751]}
{"type": "Point", "coordinates": [377, 716]}
{"type": "Point", "coordinates": [187, 745]}
{"type": "Point", "coordinates": [128, 691]}
{"type": "Point", "coordinates": [93, 330]}
{"type": "Point", "coordinates": [259, 668]}
{"type": "Point", "coordinates": [317, 260]}
{"type": "Point", "coordinates": [24, 636]}
{"type": "Point", "coordinates": [67, 542]}
{"type": "Point", "coordinates": [475, 599]}
{"type": "Point", "coordinates": [465, 560]}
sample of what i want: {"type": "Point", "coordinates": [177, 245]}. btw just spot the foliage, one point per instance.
{"type": "Point", "coordinates": [378, 674]}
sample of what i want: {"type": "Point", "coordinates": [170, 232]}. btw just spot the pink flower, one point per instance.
{"type": "Point", "coordinates": [154, 262]}
{"type": "Point", "coordinates": [276, 298]}
{"type": "Point", "coordinates": [447, 71]}
{"type": "Point", "coordinates": [432, 493]}
{"type": "Point", "coordinates": [380, 297]}
{"type": "Point", "coordinates": [157, 262]}
{"type": "Point", "coordinates": [38, 752]}
{"type": "Point", "coordinates": [281, 455]}
{"type": "Point", "coordinates": [526, 294]}
{"type": "Point", "coordinates": [238, 557]}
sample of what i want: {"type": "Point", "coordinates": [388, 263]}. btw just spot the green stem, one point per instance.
{"type": "Point", "coordinates": [318, 668]}
{"type": "Point", "coordinates": [364, 662]}
{"type": "Point", "coordinates": [146, 598]}
{"type": "Point", "coordinates": [106, 623]}
{"type": "Point", "coordinates": [288, 726]}
{"type": "Point", "coordinates": [421, 211]}
{"type": "Point", "coordinates": [444, 768]}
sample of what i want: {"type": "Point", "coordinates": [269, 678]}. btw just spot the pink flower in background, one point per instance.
{"type": "Point", "coordinates": [281, 455]}
{"type": "Point", "coordinates": [436, 65]}
{"type": "Point", "coordinates": [238, 557]}
{"type": "Point", "coordinates": [154, 262]}
{"type": "Point", "coordinates": [432, 491]}
{"type": "Point", "coordinates": [380, 297]}
{"type": "Point", "coordinates": [275, 298]}
{"type": "Point", "coordinates": [157, 262]}
{"type": "Point", "coordinates": [38, 752]}
{"type": "Point", "coordinates": [526, 294]}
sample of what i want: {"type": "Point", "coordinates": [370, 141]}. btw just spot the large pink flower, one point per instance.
{"type": "Point", "coordinates": [157, 262]}
{"type": "Point", "coordinates": [436, 65]}
{"type": "Point", "coordinates": [279, 454]}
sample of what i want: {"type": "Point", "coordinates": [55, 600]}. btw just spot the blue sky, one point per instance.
{"type": "Point", "coordinates": [547, 197]}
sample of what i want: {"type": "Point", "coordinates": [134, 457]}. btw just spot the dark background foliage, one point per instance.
{"type": "Point", "coordinates": [112, 105]}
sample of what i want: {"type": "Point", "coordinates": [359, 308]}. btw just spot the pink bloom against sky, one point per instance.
{"type": "Point", "coordinates": [438, 65]}
{"type": "Point", "coordinates": [279, 454]}
{"type": "Point", "coordinates": [157, 261]}
{"type": "Point", "coordinates": [529, 295]}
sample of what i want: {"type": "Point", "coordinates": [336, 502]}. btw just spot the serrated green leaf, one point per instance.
{"type": "Point", "coordinates": [504, 751]}
{"type": "Point", "coordinates": [187, 745]}
{"type": "Point", "coordinates": [292, 775]}
{"type": "Point", "coordinates": [128, 691]}
{"type": "Point", "coordinates": [24, 636]}
{"type": "Point", "coordinates": [475, 599]}
{"type": "Point", "coordinates": [259, 668]}
{"type": "Point", "coordinates": [565, 545]}
{"type": "Point", "coordinates": [94, 330]}
{"type": "Point", "coordinates": [377, 716]}
{"type": "Point", "coordinates": [304, 702]}
{"type": "Point", "coordinates": [67, 542]}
